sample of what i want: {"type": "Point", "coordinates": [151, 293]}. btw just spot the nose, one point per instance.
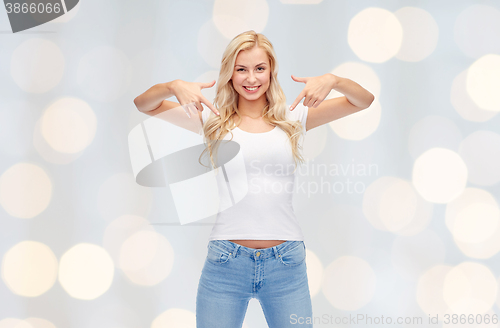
{"type": "Point", "coordinates": [251, 78]}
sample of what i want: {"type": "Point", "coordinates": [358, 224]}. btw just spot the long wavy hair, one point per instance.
{"type": "Point", "coordinates": [226, 99]}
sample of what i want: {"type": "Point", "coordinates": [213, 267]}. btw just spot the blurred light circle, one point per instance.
{"type": "Point", "coordinates": [463, 103]}
{"type": "Point", "coordinates": [481, 153]}
{"type": "Point", "coordinates": [420, 34]}
{"type": "Point", "coordinates": [477, 30]}
{"type": "Point", "coordinates": [470, 288]}
{"type": "Point", "coordinates": [372, 201]}
{"type": "Point", "coordinates": [146, 258]}
{"type": "Point", "coordinates": [68, 125]}
{"type": "Point", "coordinates": [476, 223]}
{"type": "Point", "coordinates": [314, 272]}
{"type": "Point", "coordinates": [388, 214]}
{"type": "Point", "coordinates": [47, 152]}
{"type": "Point", "coordinates": [363, 74]}
{"type": "Point", "coordinates": [38, 323]}
{"type": "Point", "coordinates": [14, 323]}
{"type": "Point", "coordinates": [469, 197]}
{"type": "Point", "coordinates": [25, 190]}
{"type": "Point", "coordinates": [363, 123]}
{"type": "Point", "coordinates": [483, 82]}
{"type": "Point", "coordinates": [120, 230]}
{"type": "Point", "coordinates": [398, 204]}
{"type": "Point", "coordinates": [439, 175]}
{"type": "Point", "coordinates": [421, 219]}
{"type": "Point", "coordinates": [37, 65]}
{"type": "Point", "coordinates": [349, 283]}
{"type": "Point", "coordinates": [29, 268]}
{"type": "Point", "coordinates": [375, 35]}
{"type": "Point", "coordinates": [487, 246]}
{"type": "Point", "coordinates": [175, 317]}
{"type": "Point", "coordinates": [430, 291]}
{"type": "Point", "coordinates": [359, 125]}
{"type": "Point", "coordinates": [233, 17]}
{"type": "Point", "coordinates": [86, 271]}
{"type": "Point", "coordinates": [482, 250]}
{"type": "Point", "coordinates": [315, 142]}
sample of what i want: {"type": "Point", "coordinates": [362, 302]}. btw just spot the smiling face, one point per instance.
{"type": "Point", "coordinates": [252, 75]}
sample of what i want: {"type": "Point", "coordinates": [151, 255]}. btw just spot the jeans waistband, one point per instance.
{"type": "Point", "coordinates": [237, 249]}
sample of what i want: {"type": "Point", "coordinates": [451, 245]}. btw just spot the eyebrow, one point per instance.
{"type": "Point", "coordinates": [263, 63]}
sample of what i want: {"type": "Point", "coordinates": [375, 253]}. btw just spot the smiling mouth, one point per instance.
{"type": "Point", "coordinates": [252, 88]}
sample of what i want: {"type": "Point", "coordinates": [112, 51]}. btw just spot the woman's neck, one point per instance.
{"type": "Point", "coordinates": [252, 108]}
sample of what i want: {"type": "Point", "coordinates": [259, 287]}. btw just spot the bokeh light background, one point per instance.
{"type": "Point", "coordinates": [411, 227]}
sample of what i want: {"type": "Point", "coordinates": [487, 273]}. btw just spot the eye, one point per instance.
{"type": "Point", "coordinates": [262, 68]}
{"type": "Point", "coordinates": [239, 69]}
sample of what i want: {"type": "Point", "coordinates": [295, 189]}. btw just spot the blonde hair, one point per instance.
{"type": "Point", "coordinates": [226, 99]}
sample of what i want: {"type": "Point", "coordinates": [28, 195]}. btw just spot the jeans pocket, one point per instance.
{"type": "Point", "coordinates": [217, 255]}
{"type": "Point", "coordinates": [294, 256]}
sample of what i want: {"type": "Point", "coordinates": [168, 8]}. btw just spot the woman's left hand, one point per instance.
{"type": "Point", "coordinates": [316, 89]}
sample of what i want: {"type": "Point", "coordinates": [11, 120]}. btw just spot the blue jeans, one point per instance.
{"type": "Point", "coordinates": [233, 274]}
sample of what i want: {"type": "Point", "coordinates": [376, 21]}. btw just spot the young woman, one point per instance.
{"type": "Point", "coordinates": [256, 249]}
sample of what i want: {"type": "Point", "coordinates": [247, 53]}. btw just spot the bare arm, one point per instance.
{"type": "Point", "coordinates": [355, 98]}
{"type": "Point", "coordinates": [188, 95]}
{"type": "Point", "coordinates": [152, 98]}
{"type": "Point", "coordinates": [355, 94]}
{"type": "Point", "coordinates": [153, 103]}
{"type": "Point", "coordinates": [322, 111]}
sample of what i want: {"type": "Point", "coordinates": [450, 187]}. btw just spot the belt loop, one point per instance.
{"type": "Point", "coordinates": [275, 249]}
{"type": "Point", "coordinates": [235, 250]}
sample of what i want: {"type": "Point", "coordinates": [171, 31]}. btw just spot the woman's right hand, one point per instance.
{"type": "Point", "coordinates": [189, 92]}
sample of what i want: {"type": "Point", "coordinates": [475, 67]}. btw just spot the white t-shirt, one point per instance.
{"type": "Point", "coordinates": [266, 212]}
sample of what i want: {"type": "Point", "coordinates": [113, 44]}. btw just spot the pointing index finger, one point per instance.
{"type": "Point", "coordinates": [297, 101]}
{"type": "Point", "coordinates": [209, 105]}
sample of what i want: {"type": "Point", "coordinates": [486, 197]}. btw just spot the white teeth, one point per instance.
{"type": "Point", "coordinates": [252, 89]}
